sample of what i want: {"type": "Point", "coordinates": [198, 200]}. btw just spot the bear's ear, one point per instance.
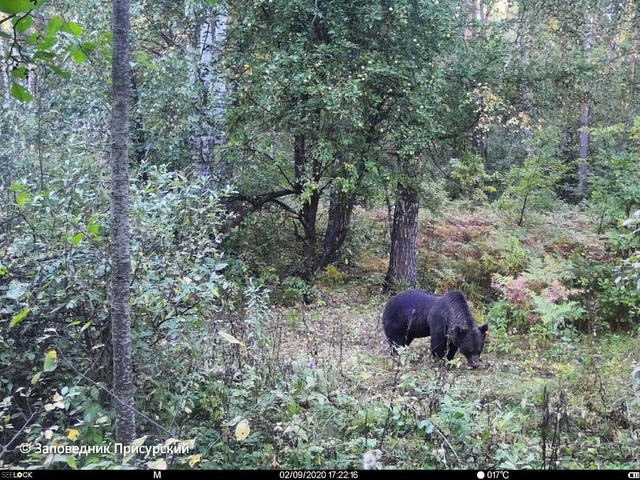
{"type": "Point", "coordinates": [459, 332]}
{"type": "Point", "coordinates": [483, 328]}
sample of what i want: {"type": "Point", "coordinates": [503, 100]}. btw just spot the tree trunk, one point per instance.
{"type": "Point", "coordinates": [632, 67]}
{"type": "Point", "coordinates": [120, 242]}
{"type": "Point", "coordinates": [39, 146]}
{"type": "Point", "coordinates": [584, 149]}
{"type": "Point", "coordinates": [584, 115]}
{"type": "Point", "coordinates": [308, 211]}
{"type": "Point", "coordinates": [340, 208]}
{"type": "Point", "coordinates": [138, 135]}
{"type": "Point", "coordinates": [308, 218]}
{"type": "Point", "coordinates": [403, 257]}
{"type": "Point", "coordinates": [214, 89]}
{"type": "Point", "coordinates": [480, 144]}
{"type": "Point", "coordinates": [524, 206]}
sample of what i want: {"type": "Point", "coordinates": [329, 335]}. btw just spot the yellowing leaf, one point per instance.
{"type": "Point", "coordinates": [171, 441]}
{"type": "Point", "coordinates": [159, 464]}
{"type": "Point", "coordinates": [48, 434]}
{"type": "Point", "coordinates": [135, 445]}
{"type": "Point", "coordinates": [72, 434]}
{"type": "Point", "coordinates": [194, 459]}
{"type": "Point", "coordinates": [57, 397]}
{"type": "Point", "coordinates": [242, 430]}
{"type": "Point", "coordinates": [188, 444]}
{"type": "Point", "coordinates": [35, 378]}
{"type": "Point", "coordinates": [48, 407]}
{"type": "Point", "coordinates": [59, 405]}
{"type": "Point", "coordinates": [229, 338]}
{"type": "Point", "coordinates": [232, 339]}
{"type": "Point", "coordinates": [50, 363]}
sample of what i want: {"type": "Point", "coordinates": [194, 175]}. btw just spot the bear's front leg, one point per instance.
{"type": "Point", "coordinates": [452, 351]}
{"type": "Point", "coordinates": [438, 343]}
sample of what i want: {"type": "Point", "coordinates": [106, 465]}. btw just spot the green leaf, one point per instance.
{"type": "Point", "coordinates": [50, 361]}
{"type": "Point", "coordinates": [73, 28]}
{"type": "Point", "coordinates": [58, 71]}
{"type": "Point", "coordinates": [20, 93]}
{"type": "Point", "coordinates": [426, 425]}
{"type": "Point", "coordinates": [35, 378]}
{"type": "Point", "coordinates": [71, 462]}
{"type": "Point", "coordinates": [16, 187]}
{"type": "Point", "coordinates": [19, 72]}
{"type": "Point", "coordinates": [21, 198]}
{"type": "Point", "coordinates": [77, 238]}
{"type": "Point", "coordinates": [19, 6]}
{"type": "Point", "coordinates": [53, 26]}
{"type": "Point", "coordinates": [5, 35]}
{"type": "Point", "coordinates": [44, 45]}
{"type": "Point", "coordinates": [17, 318]}
{"type": "Point", "coordinates": [77, 54]}
{"type": "Point", "coordinates": [23, 24]}
{"type": "Point", "coordinates": [88, 47]}
{"type": "Point", "coordinates": [93, 228]}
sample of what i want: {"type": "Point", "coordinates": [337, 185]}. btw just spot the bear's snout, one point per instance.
{"type": "Point", "coordinates": [474, 362]}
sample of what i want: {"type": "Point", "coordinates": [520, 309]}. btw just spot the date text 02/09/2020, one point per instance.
{"type": "Point", "coordinates": [318, 474]}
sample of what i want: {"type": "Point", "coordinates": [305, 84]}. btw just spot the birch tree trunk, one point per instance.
{"type": "Point", "coordinates": [214, 90]}
{"type": "Point", "coordinates": [584, 117]}
{"type": "Point", "coordinates": [584, 148]}
{"type": "Point", "coordinates": [632, 67]}
{"type": "Point", "coordinates": [120, 241]}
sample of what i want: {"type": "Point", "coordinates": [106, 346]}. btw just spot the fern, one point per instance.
{"type": "Point", "coordinates": [544, 271]}
{"type": "Point", "coordinates": [555, 316]}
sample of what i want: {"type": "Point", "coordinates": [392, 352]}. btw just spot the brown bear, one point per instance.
{"type": "Point", "coordinates": [446, 318]}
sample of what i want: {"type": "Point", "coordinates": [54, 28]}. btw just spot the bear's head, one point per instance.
{"type": "Point", "coordinates": [470, 342]}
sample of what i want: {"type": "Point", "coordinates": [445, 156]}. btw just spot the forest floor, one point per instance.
{"type": "Point", "coordinates": [535, 402]}
{"type": "Point", "coordinates": [591, 418]}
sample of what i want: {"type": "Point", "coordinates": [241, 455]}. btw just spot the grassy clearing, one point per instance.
{"type": "Point", "coordinates": [330, 390]}
{"type": "Point", "coordinates": [422, 414]}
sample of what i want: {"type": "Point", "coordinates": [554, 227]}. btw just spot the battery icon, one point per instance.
{"type": "Point", "coordinates": [633, 475]}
